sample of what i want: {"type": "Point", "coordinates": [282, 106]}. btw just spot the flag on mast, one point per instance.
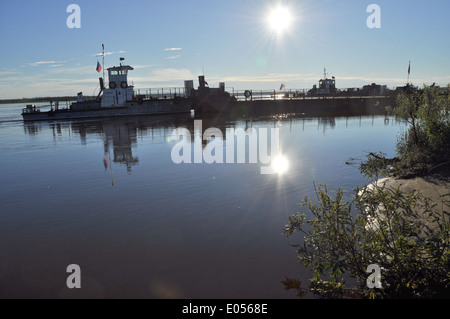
{"type": "Point", "coordinates": [99, 67]}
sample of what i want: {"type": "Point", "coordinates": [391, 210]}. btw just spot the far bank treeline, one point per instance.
{"type": "Point", "coordinates": [44, 99]}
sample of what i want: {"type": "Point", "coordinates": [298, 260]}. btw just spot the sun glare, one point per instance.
{"type": "Point", "coordinates": [280, 19]}
{"type": "Point", "coordinates": [280, 165]}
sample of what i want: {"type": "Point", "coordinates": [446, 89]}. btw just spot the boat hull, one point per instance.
{"type": "Point", "coordinates": [150, 107]}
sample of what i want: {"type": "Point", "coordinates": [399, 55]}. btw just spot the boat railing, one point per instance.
{"type": "Point", "coordinates": [33, 108]}
{"type": "Point", "coordinates": [243, 95]}
{"type": "Point", "coordinates": [250, 95]}
{"type": "Point", "coordinates": [158, 94]}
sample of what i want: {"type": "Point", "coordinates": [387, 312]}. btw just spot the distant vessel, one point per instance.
{"type": "Point", "coordinates": [119, 99]}
{"type": "Point", "coordinates": [326, 86]}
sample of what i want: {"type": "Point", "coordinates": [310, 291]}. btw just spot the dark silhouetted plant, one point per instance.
{"type": "Point", "coordinates": [343, 238]}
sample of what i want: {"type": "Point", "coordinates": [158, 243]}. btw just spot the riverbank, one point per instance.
{"type": "Point", "coordinates": [435, 187]}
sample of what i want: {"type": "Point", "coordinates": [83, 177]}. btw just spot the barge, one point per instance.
{"type": "Point", "coordinates": [117, 100]}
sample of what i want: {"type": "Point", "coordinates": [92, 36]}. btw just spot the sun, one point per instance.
{"type": "Point", "coordinates": [280, 19]}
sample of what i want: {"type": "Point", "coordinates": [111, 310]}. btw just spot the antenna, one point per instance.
{"type": "Point", "coordinates": [103, 55]}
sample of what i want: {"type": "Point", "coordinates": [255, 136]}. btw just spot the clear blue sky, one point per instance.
{"type": "Point", "coordinates": [171, 41]}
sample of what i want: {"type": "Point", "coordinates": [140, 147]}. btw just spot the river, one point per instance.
{"type": "Point", "coordinates": [108, 196]}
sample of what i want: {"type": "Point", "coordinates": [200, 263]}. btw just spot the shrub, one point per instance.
{"type": "Point", "coordinates": [376, 227]}
{"type": "Point", "coordinates": [427, 142]}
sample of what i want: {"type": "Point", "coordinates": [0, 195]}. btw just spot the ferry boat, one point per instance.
{"type": "Point", "coordinates": [119, 99]}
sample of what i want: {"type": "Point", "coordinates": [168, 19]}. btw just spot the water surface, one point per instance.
{"type": "Point", "coordinates": [106, 195]}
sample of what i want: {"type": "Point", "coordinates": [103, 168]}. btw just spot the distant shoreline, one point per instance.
{"type": "Point", "coordinates": [41, 99]}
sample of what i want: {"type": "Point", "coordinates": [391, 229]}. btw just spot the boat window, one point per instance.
{"type": "Point", "coordinates": [118, 72]}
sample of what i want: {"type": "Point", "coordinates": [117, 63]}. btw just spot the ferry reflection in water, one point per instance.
{"type": "Point", "coordinates": [166, 230]}
{"type": "Point", "coordinates": [119, 135]}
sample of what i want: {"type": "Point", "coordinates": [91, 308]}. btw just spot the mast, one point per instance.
{"type": "Point", "coordinates": [103, 56]}
{"type": "Point", "coordinates": [409, 73]}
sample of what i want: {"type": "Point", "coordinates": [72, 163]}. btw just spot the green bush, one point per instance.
{"type": "Point", "coordinates": [376, 227]}
{"type": "Point", "coordinates": [427, 142]}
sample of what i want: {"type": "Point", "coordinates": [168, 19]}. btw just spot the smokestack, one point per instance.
{"type": "Point", "coordinates": [201, 81]}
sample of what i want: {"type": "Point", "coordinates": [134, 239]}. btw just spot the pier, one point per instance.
{"type": "Point", "coordinates": [316, 106]}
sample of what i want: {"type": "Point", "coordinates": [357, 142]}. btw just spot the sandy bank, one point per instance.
{"type": "Point", "coordinates": [436, 188]}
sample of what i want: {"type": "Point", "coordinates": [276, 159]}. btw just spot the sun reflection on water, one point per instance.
{"type": "Point", "coordinates": [280, 165]}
